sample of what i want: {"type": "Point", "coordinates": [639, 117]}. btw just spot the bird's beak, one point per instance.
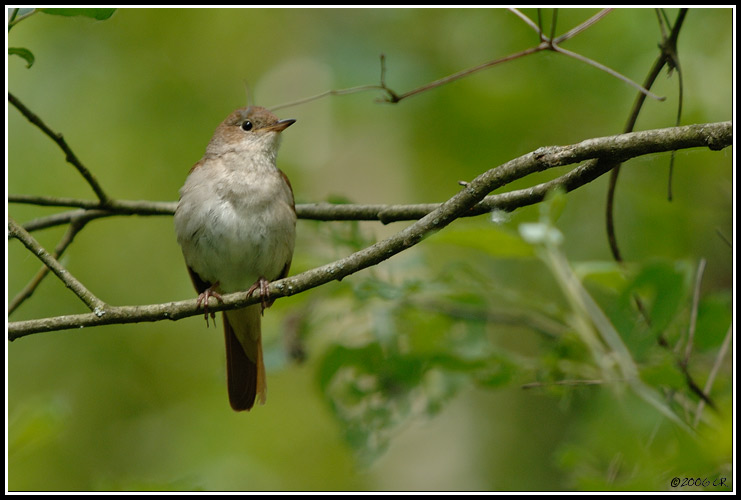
{"type": "Point", "coordinates": [281, 125]}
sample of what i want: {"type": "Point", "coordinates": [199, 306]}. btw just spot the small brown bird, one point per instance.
{"type": "Point", "coordinates": [236, 225]}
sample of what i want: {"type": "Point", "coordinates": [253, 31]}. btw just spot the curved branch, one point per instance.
{"type": "Point", "coordinates": [606, 150]}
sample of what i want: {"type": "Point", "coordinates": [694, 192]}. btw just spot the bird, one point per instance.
{"type": "Point", "coordinates": [235, 223]}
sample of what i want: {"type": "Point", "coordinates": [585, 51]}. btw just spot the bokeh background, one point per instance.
{"type": "Point", "coordinates": [144, 407]}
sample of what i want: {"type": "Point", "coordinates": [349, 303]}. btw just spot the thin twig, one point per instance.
{"type": "Point", "coordinates": [392, 97]}
{"type": "Point", "coordinates": [586, 24]}
{"type": "Point", "coordinates": [351, 90]}
{"type": "Point", "coordinates": [89, 209]}
{"type": "Point", "coordinates": [527, 20]}
{"type": "Point", "coordinates": [59, 139]}
{"type": "Point", "coordinates": [607, 70]}
{"type": "Point", "coordinates": [469, 71]}
{"type": "Point", "coordinates": [714, 371]}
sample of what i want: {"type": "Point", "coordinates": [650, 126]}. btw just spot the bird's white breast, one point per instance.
{"type": "Point", "coordinates": [235, 224]}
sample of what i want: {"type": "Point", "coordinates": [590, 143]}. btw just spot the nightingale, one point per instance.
{"type": "Point", "coordinates": [236, 225]}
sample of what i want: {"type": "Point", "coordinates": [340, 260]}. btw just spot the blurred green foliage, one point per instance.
{"type": "Point", "coordinates": [414, 372]}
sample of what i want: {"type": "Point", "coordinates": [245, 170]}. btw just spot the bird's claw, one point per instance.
{"type": "Point", "coordinates": [263, 285]}
{"type": "Point", "coordinates": [203, 300]}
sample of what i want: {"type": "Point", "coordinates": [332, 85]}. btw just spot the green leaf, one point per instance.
{"type": "Point", "coordinates": [99, 14]}
{"type": "Point", "coordinates": [24, 53]}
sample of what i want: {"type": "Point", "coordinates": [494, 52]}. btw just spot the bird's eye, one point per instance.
{"type": "Point", "coordinates": [246, 125]}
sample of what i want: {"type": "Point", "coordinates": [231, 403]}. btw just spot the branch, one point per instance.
{"type": "Point", "coordinates": [605, 151]}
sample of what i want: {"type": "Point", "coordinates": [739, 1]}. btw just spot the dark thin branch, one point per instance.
{"type": "Point", "coordinates": [658, 65]}
{"type": "Point", "coordinates": [59, 139]}
{"type": "Point", "coordinates": [616, 148]}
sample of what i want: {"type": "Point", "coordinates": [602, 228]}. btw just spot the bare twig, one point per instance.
{"type": "Point", "coordinates": [607, 70]}
{"type": "Point", "coordinates": [352, 90]}
{"type": "Point", "coordinates": [586, 24]}
{"type": "Point", "coordinates": [59, 139]}
{"type": "Point", "coordinates": [90, 209]}
{"type": "Point", "coordinates": [528, 21]}
{"type": "Point", "coordinates": [465, 72]}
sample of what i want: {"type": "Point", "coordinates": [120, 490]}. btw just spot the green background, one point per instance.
{"type": "Point", "coordinates": [138, 96]}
